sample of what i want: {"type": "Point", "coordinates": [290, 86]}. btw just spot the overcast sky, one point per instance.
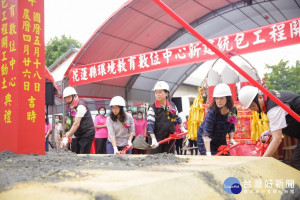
{"type": "Point", "coordinates": [80, 18]}
{"type": "Point", "coordinates": [77, 18]}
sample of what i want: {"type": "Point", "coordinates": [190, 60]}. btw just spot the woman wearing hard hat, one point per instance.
{"type": "Point", "coordinates": [162, 117]}
{"type": "Point", "coordinates": [120, 126]}
{"type": "Point", "coordinates": [82, 123]}
{"type": "Point", "coordinates": [279, 120]}
{"type": "Point", "coordinates": [218, 122]}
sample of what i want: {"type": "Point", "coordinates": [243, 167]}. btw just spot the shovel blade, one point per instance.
{"type": "Point", "coordinates": [139, 143]}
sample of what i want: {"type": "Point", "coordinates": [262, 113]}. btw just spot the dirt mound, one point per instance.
{"type": "Point", "coordinates": [60, 164]}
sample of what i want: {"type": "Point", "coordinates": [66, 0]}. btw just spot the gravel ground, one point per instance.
{"type": "Point", "coordinates": [61, 164]}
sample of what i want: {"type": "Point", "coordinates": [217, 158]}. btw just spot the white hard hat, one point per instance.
{"type": "Point", "coordinates": [117, 101]}
{"type": "Point", "coordinates": [246, 95]}
{"type": "Point", "coordinates": [161, 85]}
{"type": "Point", "coordinates": [68, 91]}
{"type": "Point", "coordinates": [222, 90]}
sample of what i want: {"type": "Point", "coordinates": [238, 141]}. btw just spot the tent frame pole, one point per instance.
{"type": "Point", "coordinates": [225, 58]}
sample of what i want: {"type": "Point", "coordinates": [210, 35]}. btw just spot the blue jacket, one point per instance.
{"type": "Point", "coordinates": [215, 126]}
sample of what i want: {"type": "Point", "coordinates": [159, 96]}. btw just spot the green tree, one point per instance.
{"type": "Point", "coordinates": [283, 77]}
{"type": "Point", "coordinates": [56, 47]}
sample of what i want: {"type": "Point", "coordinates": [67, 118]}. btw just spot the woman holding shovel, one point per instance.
{"type": "Point", "coordinates": [161, 118]}
{"type": "Point", "coordinates": [120, 126]}
{"type": "Point", "coordinates": [218, 122]}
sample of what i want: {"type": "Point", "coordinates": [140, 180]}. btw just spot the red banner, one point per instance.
{"type": "Point", "coordinates": [258, 39]}
{"type": "Point", "coordinates": [22, 93]}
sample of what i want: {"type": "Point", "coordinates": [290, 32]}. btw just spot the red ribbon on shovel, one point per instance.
{"type": "Point", "coordinates": [261, 148]}
{"type": "Point", "coordinates": [224, 149]}
{"type": "Point", "coordinates": [174, 136]}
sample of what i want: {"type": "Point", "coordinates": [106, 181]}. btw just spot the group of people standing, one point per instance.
{"type": "Point", "coordinates": [118, 129]}
{"type": "Point", "coordinates": [58, 131]}
{"type": "Point", "coordinates": [123, 128]}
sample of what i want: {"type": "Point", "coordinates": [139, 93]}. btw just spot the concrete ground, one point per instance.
{"type": "Point", "coordinates": [63, 175]}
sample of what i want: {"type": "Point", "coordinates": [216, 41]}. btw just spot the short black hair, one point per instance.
{"type": "Point", "coordinates": [100, 109]}
{"type": "Point", "coordinates": [166, 91]}
{"type": "Point", "coordinates": [140, 112]}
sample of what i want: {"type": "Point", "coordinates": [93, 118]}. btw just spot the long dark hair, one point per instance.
{"type": "Point", "coordinates": [229, 104]}
{"type": "Point", "coordinates": [47, 120]}
{"type": "Point", "coordinates": [121, 113]}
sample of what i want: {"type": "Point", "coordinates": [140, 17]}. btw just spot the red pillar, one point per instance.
{"type": "Point", "coordinates": [210, 93]}
{"type": "Point", "coordinates": [232, 87]}
{"type": "Point", "coordinates": [22, 83]}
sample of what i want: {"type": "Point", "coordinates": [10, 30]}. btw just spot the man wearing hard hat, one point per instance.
{"type": "Point", "coordinates": [82, 123]}
{"type": "Point", "coordinates": [280, 121]}
{"type": "Point", "coordinates": [162, 117]}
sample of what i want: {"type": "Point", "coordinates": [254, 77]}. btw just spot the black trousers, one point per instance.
{"type": "Point", "coordinates": [101, 145]}
{"type": "Point", "coordinates": [83, 144]}
{"type": "Point", "coordinates": [167, 147]}
{"type": "Point", "coordinates": [178, 144]}
{"type": "Point", "coordinates": [193, 143]}
{"type": "Point", "coordinates": [296, 157]}
{"type": "Point", "coordinates": [73, 145]}
{"type": "Point", "coordinates": [293, 130]}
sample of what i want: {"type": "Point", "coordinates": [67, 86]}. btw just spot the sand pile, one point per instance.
{"type": "Point", "coordinates": [61, 164]}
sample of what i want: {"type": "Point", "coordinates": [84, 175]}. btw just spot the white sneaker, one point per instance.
{"type": "Point", "coordinates": [208, 153]}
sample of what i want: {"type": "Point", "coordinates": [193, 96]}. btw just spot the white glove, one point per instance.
{"type": "Point", "coordinates": [208, 153]}
{"type": "Point", "coordinates": [116, 151]}
{"type": "Point", "coordinates": [129, 143]}
{"type": "Point", "coordinates": [231, 141]}
{"type": "Point", "coordinates": [64, 142]}
{"type": "Point", "coordinates": [154, 143]}
{"type": "Point", "coordinates": [265, 135]}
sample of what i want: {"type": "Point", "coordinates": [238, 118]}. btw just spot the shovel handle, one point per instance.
{"type": "Point", "coordinates": [261, 152]}
{"type": "Point", "coordinates": [177, 136]}
{"type": "Point", "coordinates": [126, 148]}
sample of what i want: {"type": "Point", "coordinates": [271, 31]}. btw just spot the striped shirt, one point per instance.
{"type": "Point", "coordinates": [151, 118]}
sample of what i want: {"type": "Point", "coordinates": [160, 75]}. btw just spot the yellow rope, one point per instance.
{"type": "Point", "coordinates": [258, 126]}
